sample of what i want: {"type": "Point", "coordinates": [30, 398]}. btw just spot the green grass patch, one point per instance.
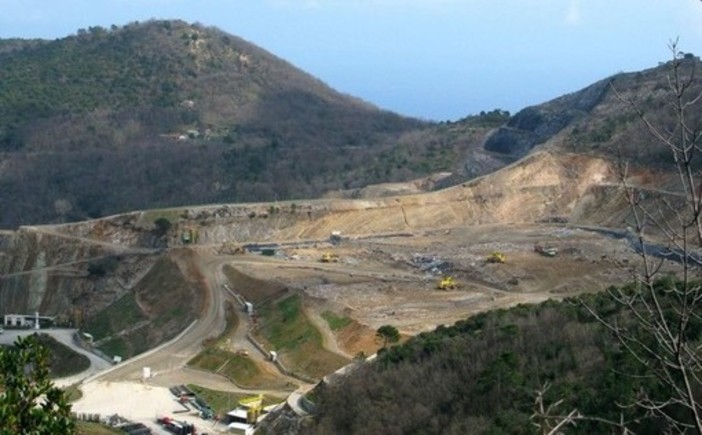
{"type": "Point", "coordinates": [238, 368]}
{"type": "Point", "coordinates": [285, 327]}
{"type": "Point", "coordinates": [241, 367]}
{"type": "Point", "coordinates": [210, 359]}
{"type": "Point", "coordinates": [89, 428]}
{"type": "Point", "coordinates": [137, 341]}
{"type": "Point", "coordinates": [115, 346]}
{"type": "Point", "coordinates": [73, 393]}
{"type": "Point", "coordinates": [175, 313]}
{"type": "Point", "coordinates": [223, 401]}
{"type": "Point", "coordinates": [335, 321]}
{"type": "Point", "coordinates": [122, 314]}
{"type": "Point", "coordinates": [64, 360]}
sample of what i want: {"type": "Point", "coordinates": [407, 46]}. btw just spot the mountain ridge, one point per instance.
{"type": "Point", "coordinates": [166, 114]}
{"type": "Point", "coordinates": [159, 97]}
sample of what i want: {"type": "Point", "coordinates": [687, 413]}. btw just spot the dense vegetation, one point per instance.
{"type": "Point", "coordinates": [166, 113]}
{"type": "Point", "coordinates": [158, 308]}
{"type": "Point", "coordinates": [482, 374]}
{"type": "Point", "coordinates": [30, 403]}
{"type": "Point", "coordinates": [63, 361]}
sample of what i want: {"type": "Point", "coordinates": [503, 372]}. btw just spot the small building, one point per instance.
{"type": "Point", "coordinates": [237, 421]}
{"type": "Point", "coordinates": [28, 321]}
{"type": "Point", "coordinates": [240, 428]}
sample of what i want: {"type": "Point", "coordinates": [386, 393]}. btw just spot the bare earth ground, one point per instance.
{"type": "Point", "coordinates": [138, 402]}
{"type": "Point", "coordinates": [376, 281]}
{"type": "Point", "coordinates": [382, 276]}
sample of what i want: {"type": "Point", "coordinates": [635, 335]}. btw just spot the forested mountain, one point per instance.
{"type": "Point", "coordinates": [167, 113]}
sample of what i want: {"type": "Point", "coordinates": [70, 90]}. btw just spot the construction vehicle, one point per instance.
{"type": "Point", "coordinates": [328, 257]}
{"type": "Point", "coordinates": [176, 427]}
{"type": "Point", "coordinates": [189, 236]}
{"type": "Point", "coordinates": [447, 283]}
{"type": "Point", "coordinates": [496, 257]}
{"type": "Point", "coordinates": [254, 406]}
{"type": "Point", "coordinates": [546, 251]}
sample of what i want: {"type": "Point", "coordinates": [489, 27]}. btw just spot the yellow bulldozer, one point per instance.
{"type": "Point", "coordinates": [328, 257]}
{"type": "Point", "coordinates": [496, 257]}
{"type": "Point", "coordinates": [447, 283]}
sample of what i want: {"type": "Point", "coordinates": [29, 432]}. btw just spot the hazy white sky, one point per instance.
{"type": "Point", "coordinates": [434, 59]}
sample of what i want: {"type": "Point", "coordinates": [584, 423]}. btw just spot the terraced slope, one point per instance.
{"type": "Point", "coordinates": [542, 186]}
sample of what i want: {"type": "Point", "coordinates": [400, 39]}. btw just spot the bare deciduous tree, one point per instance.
{"type": "Point", "coordinates": [661, 321]}
{"type": "Point", "coordinates": [663, 315]}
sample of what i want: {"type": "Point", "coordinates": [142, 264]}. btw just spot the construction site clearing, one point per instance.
{"type": "Point", "coordinates": [348, 268]}
{"type": "Point", "coordinates": [392, 279]}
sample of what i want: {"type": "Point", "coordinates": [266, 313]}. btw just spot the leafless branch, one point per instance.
{"type": "Point", "coordinates": [656, 328]}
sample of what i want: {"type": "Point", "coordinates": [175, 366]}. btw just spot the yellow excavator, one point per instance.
{"type": "Point", "coordinates": [447, 283]}
{"type": "Point", "coordinates": [496, 257]}
{"type": "Point", "coordinates": [328, 257]}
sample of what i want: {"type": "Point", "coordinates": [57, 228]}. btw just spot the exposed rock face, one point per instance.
{"type": "Point", "coordinates": [282, 421]}
{"type": "Point", "coordinates": [54, 274]}
{"type": "Point", "coordinates": [537, 124]}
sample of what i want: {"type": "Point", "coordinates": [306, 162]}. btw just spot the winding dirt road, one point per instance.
{"type": "Point", "coordinates": [168, 362]}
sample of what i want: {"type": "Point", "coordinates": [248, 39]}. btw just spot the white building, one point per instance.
{"type": "Point", "coordinates": [27, 321]}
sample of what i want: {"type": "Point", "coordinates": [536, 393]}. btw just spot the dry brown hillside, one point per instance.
{"type": "Point", "coordinates": [541, 186]}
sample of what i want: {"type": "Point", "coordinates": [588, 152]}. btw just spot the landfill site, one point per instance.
{"type": "Point", "coordinates": [547, 227]}
{"type": "Point", "coordinates": [389, 280]}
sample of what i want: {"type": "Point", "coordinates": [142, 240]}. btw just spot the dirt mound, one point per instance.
{"type": "Point", "coordinates": [356, 338]}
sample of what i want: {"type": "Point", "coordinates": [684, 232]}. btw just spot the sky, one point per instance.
{"type": "Point", "coordinates": [432, 59]}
